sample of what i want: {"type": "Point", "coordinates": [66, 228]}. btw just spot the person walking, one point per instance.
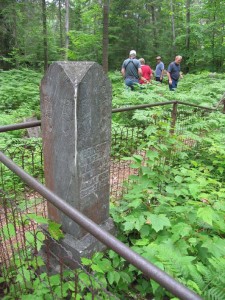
{"type": "Point", "coordinates": [131, 70]}
{"type": "Point", "coordinates": [159, 69]}
{"type": "Point", "coordinates": [146, 72]}
{"type": "Point", "coordinates": [173, 73]}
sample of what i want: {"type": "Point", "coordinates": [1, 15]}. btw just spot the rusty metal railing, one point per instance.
{"type": "Point", "coordinates": [148, 269]}
{"type": "Point", "coordinates": [116, 110]}
{"type": "Point", "coordinates": [35, 202]}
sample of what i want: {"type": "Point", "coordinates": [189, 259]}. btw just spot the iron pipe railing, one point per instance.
{"type": "Point", "coordinates": [25, 125]}
{"type": "Point", "coordinates": [141, 106]}
{"type": "Point", "coordinates": [195, 105]}
{"type": "Point", "coordinates": [148, 269]}
{"type": "Point", "coordinates": [20, 126]}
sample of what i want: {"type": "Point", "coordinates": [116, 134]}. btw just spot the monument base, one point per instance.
{"type": "Point", "coordinates": [69, 250]}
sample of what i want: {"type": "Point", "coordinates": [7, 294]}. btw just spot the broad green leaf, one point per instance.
{"type": "Point", "coordinates": [125, 277]}
{"type": "Point", "coordinates": [35, 240]}
{"type": "Point", "coordinates": [113, 276]}
{"type": "Point", "coordinates": [150, 130]}
{"type": "Point", "coordinates": [97, 268]}
{"type": "Point", "coordinates": [145, 231]}
{"type": "Point", "coordinates": [137, 157]}
{"type": "Point", "coordinates": [38, 219]}
{"type": "Point", "coordinates": [127, 158]}
{"type": "Point", "coordinates": [136, 165]}
{"type": "Point", "coordinates": [142, 242]}
{"type": "Point", "coordinates": [152, 154]}
{"type": "Point", "coordinates": [86, 261]}
{"type": "Point", "coordinates": [55, 279]}
{"type": "Point", "coordinates": [139, 222]}
{"type": "Point", "coordinates": [8, 231]}
{"type": "Point", "coordinates": [194, 189]}
{"type": "Point", "coordinates": [105, 264]}
{"type": "Point", "coordinates": [181, 230]}
{"type": "Point", "coordinates": [135, 203]}
{"type": "Point", "coordinates": [170, 189]}
{"type": "Point", "coordinates": [178, 179]}
{"type": "Point", "coordinates": [158, 222]}
{"type": "Point", "coordinates": [154, 285]}
{"type": "Point", "coordinates": [216, 246]}
{"type": "Point", "coordinates": [128, 226]}
{"type": "Point", "coordinates": [55, 231]}
{"type": "Point", "coordinates": [205, 214]}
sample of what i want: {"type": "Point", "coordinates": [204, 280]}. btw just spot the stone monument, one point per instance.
{"type": "Point", "coordinates": [76, 130]}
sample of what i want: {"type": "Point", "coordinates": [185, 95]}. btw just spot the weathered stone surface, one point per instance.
{"type": "Point", "coordinates": [76, 130]}
{"type": "Point", "coordinates": [33, 131]}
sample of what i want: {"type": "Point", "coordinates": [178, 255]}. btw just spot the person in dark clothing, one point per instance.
{"type": "Point", "coordinates": [131, 70]}
{"type": "Point", "coordinates": [173, 73]}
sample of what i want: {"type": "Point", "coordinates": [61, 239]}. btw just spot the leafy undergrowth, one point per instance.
{"type": "Point", "coordinates": [173, 213]}
{"type": "Point", "coordinates": [204, 89]}
{"type": "Point", "coordinates": [19, 98]}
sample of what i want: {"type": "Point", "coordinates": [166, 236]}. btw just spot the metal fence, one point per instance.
{"type": "Point", "coordinates": [23, 212]}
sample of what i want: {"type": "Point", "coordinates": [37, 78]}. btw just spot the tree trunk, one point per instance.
{"type": "Point", "coordinates": [105, 39]}
{"type": "Point", "coordinates": [45, 42]}
{"type": "Point", "coordinates": [173, 28]}
{"type": "Point", "coordinates": [155, 39]}
{"type": "Point", "coordinates": [188, 31]}
{"type": "Point", "coordinates": [60, 25]}
{"type": "Point", "coordinates": [67, 29]}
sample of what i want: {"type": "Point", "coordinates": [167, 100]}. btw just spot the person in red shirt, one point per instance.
{"type": "Point", "coordinates": [146, 72]}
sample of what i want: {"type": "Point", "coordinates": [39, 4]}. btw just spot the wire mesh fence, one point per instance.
{"type": "Point", "coordinates": [26, 256]}
{"type": "Point", "coordinates": [29, 264]}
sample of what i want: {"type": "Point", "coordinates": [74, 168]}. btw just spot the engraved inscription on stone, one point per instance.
{"type": "Point", "coordinates": [94, 166]}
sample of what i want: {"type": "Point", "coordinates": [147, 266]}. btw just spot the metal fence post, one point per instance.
{"type": "Point", "coordinates": [173, 117]}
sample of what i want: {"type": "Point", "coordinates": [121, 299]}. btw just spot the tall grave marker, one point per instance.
{"type": "Point", "coordinates": [76, 129]}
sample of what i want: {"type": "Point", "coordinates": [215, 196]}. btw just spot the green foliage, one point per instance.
{"type": "Point", "coordinates": [198, 32]}
{"type": "Point", "coordinates": [25, 281]}
{"type": "Point", "coordinates": [85, 44]}
{"type": "Point", "coordinates": [19, 98]}
{"type": "Point", "coordinates": [22, 278]}
{"type": "Point", "coordinates": [173, 213]}
{"type": "Point", "coordinates": [26, 154]}
{"type": "Point", "coordinates": [204, 89]}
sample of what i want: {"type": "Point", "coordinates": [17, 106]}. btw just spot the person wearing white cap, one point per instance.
{"type": "Point", "coordinates": [131, 70]}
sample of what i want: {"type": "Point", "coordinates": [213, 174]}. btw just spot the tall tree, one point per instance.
{"type": "Point", "coordinates": [67, 29]}
{"type": "Point", "coordinates": [173, 28]}
{"type": "Point", "coordinates": [105, 35]}
{"type": "Point", "coordinates": [45, 34]}
{"type": "Point", "coordinates": [188, 31]}
{"type": "Point", "coordinates": [60, 24]}
{"type": "Point", "coordinates": [92, 31]}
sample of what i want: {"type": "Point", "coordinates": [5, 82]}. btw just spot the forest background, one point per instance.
{"type": "Point", "coordinates": [34, 33]}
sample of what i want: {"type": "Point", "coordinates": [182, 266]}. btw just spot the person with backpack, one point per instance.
{"type": "Point", "coordinates": [173, 73]}
{"type": "Point", "coordinates": [131, 70]}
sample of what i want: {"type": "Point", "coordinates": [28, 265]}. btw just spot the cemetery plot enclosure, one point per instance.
{"type": "Point", "coordinates": [23, 210]}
